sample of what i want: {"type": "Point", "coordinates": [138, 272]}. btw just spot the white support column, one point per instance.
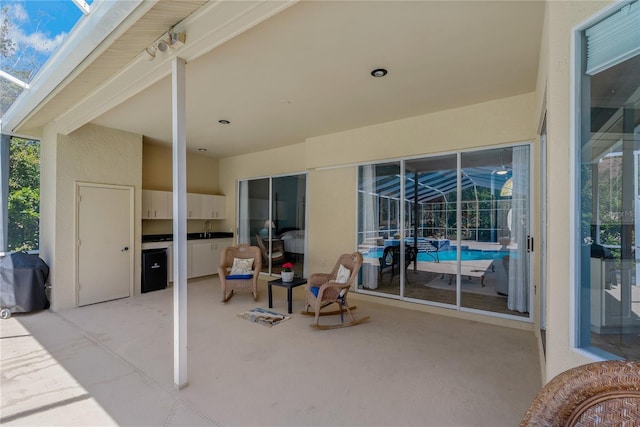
{"type": "Point", "coordinates": [179, 225]}
{"type": "Point", "coordinates": [4, 191]}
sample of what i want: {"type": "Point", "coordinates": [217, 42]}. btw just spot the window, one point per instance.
{"type": "Point", "coordinates": [20, 194]}
{"type": "Point", "coordinates": [608, 147]}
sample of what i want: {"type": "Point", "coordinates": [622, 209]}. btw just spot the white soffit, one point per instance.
{"type": "Point", "coordinates": [209, 26]}
{"type": "Point", "coordinates": [71, 58]}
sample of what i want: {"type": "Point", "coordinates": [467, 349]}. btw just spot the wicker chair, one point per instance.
{"type": "Point", "coordinates": [229, 282]}
{"type": "Point", "coordinates": [277, 252]}
{"type": "Point", "coordinates": [597, 394]}
{"type": "Point", "coordinates": [324, 289]}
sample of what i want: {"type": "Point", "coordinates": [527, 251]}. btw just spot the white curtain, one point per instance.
{"type": "Point", "coordinates": [518, 299]}
{"type": "Point", "coordinates": [243, 212]}
{"type": "Point", "coordinates": [368, 219]}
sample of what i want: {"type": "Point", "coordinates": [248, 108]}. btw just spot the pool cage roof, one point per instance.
{"type": "Point", "coordinates": [431, 179]}
{"type": "Point", "coordinates": [435, 186]}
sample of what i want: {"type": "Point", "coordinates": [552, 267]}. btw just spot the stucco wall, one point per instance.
{"type": "Point", "coordinates": [495, 122]}
{"type": "Point", "coordinates": [90, 154]}
{"type": "Point", "coordinates": [48, 196]}
{"type": "Point", "coordinates": [157, 161]}
{"type": "Point", "coordinates": [562, 18]}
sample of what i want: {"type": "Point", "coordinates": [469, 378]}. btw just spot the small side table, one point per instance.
{"type": "Point", "coordinates": [297, 281]}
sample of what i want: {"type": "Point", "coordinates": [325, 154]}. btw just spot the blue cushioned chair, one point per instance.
{"type": "Point", "coordinates": [324, 289]}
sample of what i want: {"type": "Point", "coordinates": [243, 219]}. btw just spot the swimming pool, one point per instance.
{"type": "Point", "coordinates": [450, 255]}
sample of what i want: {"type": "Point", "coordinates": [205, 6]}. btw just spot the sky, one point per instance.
{"type": "Point", "coordinates": [38, 27]}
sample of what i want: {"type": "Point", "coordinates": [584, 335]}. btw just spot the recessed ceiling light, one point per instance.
{"type": "Point", "coordinates": [379, 72]}
{"type": "Point", "coordinates": [202, 150]}
{"type": "Point", "coordinates": [224, 122]}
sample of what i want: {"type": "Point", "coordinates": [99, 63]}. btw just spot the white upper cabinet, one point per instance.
{"type": "Point", "coordinates": [159, 205]}
{"type": "Point", "coordinates": [213, 207]}
{"type": "Point", "coordinates": [194, 206]}
{"type": "Point", "coordinates": [205, 206]}
{"type": "Point", "coordinates": [156, 204]}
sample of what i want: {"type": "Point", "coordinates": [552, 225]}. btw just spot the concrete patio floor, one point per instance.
{"type": "Point", "coordinates": [111, 364]}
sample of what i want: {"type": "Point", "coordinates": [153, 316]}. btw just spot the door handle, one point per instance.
{"type": "Point", "coordinates": [125, 249]}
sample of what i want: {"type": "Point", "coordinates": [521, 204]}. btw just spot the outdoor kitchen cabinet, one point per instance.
{"type": "Point", "coordinates": [157, 204]}
{"type": "Point", "coordinates": [203, 257]}
{"type": "Point", "coordinates": [194, 206]}
{"type": "Point", "coordinates": [213, 207]}
{"type": "Point", "coordinates": [205, 206]}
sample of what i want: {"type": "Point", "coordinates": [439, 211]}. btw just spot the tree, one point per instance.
{"type": "Point", "coordinates": [24, 158]}
{"type": "Point", "coordinates": [24, 195]}
{"type": "Point", "coordinates": [8, 91]}
{"type": "Point", "coordinates": [7, 46]}
{"type": "Point", "coordinates": [23, 69]}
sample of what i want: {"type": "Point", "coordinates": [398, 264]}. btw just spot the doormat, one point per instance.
{"type": "Point", "coordinates": [264, 317]}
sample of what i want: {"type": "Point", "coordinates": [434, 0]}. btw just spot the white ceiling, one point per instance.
{"type": "Point", "coordinates": [305, 71]}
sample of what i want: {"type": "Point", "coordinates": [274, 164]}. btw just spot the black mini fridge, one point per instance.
{"type": "Point", "coordinates": [154, 270]}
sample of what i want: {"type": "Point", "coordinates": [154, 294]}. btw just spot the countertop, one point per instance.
{"type": "Point", "coordinates": [191, 236]}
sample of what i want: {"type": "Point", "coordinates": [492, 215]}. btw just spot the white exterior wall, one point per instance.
{"type": "Point", "coordinates": [561, 19]}
{"type": "Point", "coordinates": [90, 154]}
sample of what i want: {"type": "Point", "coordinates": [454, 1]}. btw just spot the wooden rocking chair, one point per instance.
{"type": "Point", "coordinates": [324, 289]}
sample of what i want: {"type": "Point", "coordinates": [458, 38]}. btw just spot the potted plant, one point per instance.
{"type": "Point", "coordinates": [287, 272]}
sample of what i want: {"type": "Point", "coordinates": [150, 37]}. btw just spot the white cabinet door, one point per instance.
{"type": "Point", "coordinates": [219, 245]}
{"type": "Point", "coordinates": [213, 206]}
{"type": "Point", "coordinates": [219, 202]}
{"type": "Point", "coordinates": [208, 207]}
{"type": "Point", "coordinates": [203, 257]}
{"type": "Point", "coordinates": [146, 204]}
{"type": "Point", "coordinates": [194, 206]}
{"type": "Point", "coordinates": [159, 205]}
{"type": "Point", "coordinates": [203, 262]}
{"type": "Point", "coordinates": [156, 204]}
{"type": "Point", "coordinates": [163, 203]}
{"type": "Point", "coordinates": [170, 262]}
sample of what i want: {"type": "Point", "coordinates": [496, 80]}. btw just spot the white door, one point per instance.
{"type": "Point", "coordinates": [105, 243]}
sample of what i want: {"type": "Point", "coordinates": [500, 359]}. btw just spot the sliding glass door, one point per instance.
{"type": "Point", "coordinates": [379, 227]}
{"type": "Point", "coordinates": [272, 216]}
{"type": "Point", "coordinates": [495, 237]}
{"type": "Point", "coordinates": [288, 201]}
{"type": "Point", "coordinates": [449, 230]}
{"type": "Point", "coordinates": [431, 188]}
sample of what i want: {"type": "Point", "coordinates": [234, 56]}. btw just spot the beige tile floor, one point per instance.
{"type": "Point", "coordinates": [111, 364]}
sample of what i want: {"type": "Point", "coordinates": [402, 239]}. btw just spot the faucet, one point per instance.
{"type": "Point", "coordinates": [207, 229]}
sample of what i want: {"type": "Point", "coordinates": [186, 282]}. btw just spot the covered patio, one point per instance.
{"type": "Point", "coordinates": [110, 363]}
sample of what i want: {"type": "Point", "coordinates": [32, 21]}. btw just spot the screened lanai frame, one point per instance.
{"type": "Point", "coordinates": [432, 189]}
{"type": "Point", "coordinates": [32, 53]}
{"type": "Point", "coordinates": [479, 176]}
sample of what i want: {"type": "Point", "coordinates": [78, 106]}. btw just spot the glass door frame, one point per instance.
{"type": "Point", "coordinates": [402, 226]}
{"type": "Point", "coordinates": [239, 224]}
